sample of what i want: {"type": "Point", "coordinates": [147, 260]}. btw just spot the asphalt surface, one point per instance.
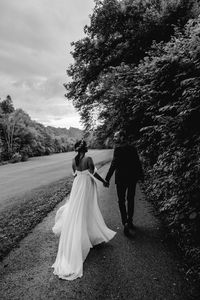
{"type": "Point", "coordinates": [126, 268]}
{"type": "Point", "coordinates": [17, 179]}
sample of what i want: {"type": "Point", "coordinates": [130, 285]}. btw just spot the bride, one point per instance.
{"type": "Point", "coordinates": [79, 222]}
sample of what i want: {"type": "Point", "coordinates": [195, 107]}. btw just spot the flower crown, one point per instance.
{"type": "Point", "coordinates": [81, 146]}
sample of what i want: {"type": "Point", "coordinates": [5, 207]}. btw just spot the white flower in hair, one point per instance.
{"type": "Point", "coordinates": [80, 146]}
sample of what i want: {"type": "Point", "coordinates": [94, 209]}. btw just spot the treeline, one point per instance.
{"type": "Point", "coordinates": [138, 68]}
{"type": "Point", "coordinates": [21, 137]}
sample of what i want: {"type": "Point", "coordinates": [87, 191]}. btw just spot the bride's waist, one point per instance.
{"type": "Point", "coordinates": [83, 173]}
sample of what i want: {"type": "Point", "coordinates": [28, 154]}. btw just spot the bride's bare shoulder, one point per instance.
{"type": "Point", "coordinates": [88, 158]}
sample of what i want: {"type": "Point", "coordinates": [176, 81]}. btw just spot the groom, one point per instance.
{"type": "Point", "coordinates": [128, 171]}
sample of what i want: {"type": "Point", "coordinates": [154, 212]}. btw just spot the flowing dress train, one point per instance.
{"type": "Point", "coordinates": [80, 225]}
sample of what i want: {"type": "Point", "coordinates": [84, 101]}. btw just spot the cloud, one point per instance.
{"type": "Point", "coordinates": [44, 101]}
{"type": "Point", "coordinates": [35, 39]}
{"type": "Point", "coordinates": [42, 86]}
{"type": "Point", "coordinates": [56, 113]}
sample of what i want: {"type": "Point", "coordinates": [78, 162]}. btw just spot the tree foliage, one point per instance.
{"type": "Point", "coordinates": [170, 143]}
{"type": "Point", "coordinates": [120, 32]}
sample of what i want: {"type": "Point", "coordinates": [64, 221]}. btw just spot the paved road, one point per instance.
{"type": "Point", "coordinates": [16, 179]}
{"type": "Point", "coordinates": [142, 268]}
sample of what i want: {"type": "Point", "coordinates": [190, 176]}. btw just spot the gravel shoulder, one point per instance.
{"type": "Point", "coordinates": [138, 268]}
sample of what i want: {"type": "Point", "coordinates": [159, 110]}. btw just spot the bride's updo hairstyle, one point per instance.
{"type": "Point", "coordinates": [80, 147]}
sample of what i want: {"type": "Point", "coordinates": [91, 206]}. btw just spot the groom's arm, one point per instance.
{"type": "Point", "coordinates": [93, 170]}
{"type": "Point", "coordinates": [112, 166]}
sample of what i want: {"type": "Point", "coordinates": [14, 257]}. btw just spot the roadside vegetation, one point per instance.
{"type": "Point", "coordinates": [21, 137]}
{"type": "Point", "coordinates": [138, 69]}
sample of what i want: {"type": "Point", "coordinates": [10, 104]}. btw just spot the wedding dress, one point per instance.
{"type": "Point", "coordinates": [80, 225]}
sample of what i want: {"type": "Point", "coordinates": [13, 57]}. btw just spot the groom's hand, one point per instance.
{"type": "Point", "coordinates": [106, 183]}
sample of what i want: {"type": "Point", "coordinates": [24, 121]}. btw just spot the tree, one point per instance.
{"type": "Point", "coordinates": [7, 105]}
{"type": "Point", "coordinates": [120, 33]}
{"type": "Point", "coordinates": [22, 137]}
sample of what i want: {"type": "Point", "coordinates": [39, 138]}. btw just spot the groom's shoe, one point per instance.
{"type": "Point", "coordinates": [126, 229]}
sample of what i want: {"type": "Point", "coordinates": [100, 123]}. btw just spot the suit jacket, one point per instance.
{"type": "Point", "coordinates": [126, 165]}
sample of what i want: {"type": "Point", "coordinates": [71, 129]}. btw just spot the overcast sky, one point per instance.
{"type": "Point", "coordinates": [35, 37]}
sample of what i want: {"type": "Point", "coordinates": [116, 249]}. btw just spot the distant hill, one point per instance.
{"type": "Point", "coordinates": [75, 132]}
{"type": "Point", "coordinates": [72, 132]}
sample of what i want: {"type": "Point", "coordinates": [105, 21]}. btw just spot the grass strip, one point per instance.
{"type": "Point", "coordinates": [17, 220]}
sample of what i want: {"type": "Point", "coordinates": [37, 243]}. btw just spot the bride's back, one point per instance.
{"type": "Point", "coordinates": [83, 164]}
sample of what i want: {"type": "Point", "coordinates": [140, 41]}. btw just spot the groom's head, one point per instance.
{"type": "Point", "coordinates": [119, 137]}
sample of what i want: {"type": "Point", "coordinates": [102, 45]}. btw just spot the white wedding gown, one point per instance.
{"type": "Point", "coordinates": [80, 225]}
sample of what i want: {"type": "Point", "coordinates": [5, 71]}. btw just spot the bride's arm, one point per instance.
{"type": "Point", "coordinates": [93, 171]}
{"type": "Point", "coordinates": [74, 168]}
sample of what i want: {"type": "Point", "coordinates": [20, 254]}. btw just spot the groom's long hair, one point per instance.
{"type": "Point", "coordinates": [80, 147]}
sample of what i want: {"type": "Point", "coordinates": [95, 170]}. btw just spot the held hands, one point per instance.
{"type": "Point", "coordinates": [106, 183]}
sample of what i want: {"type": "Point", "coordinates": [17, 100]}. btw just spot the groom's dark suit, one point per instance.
{"type": "Point", "coordinates": [128, 171]}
